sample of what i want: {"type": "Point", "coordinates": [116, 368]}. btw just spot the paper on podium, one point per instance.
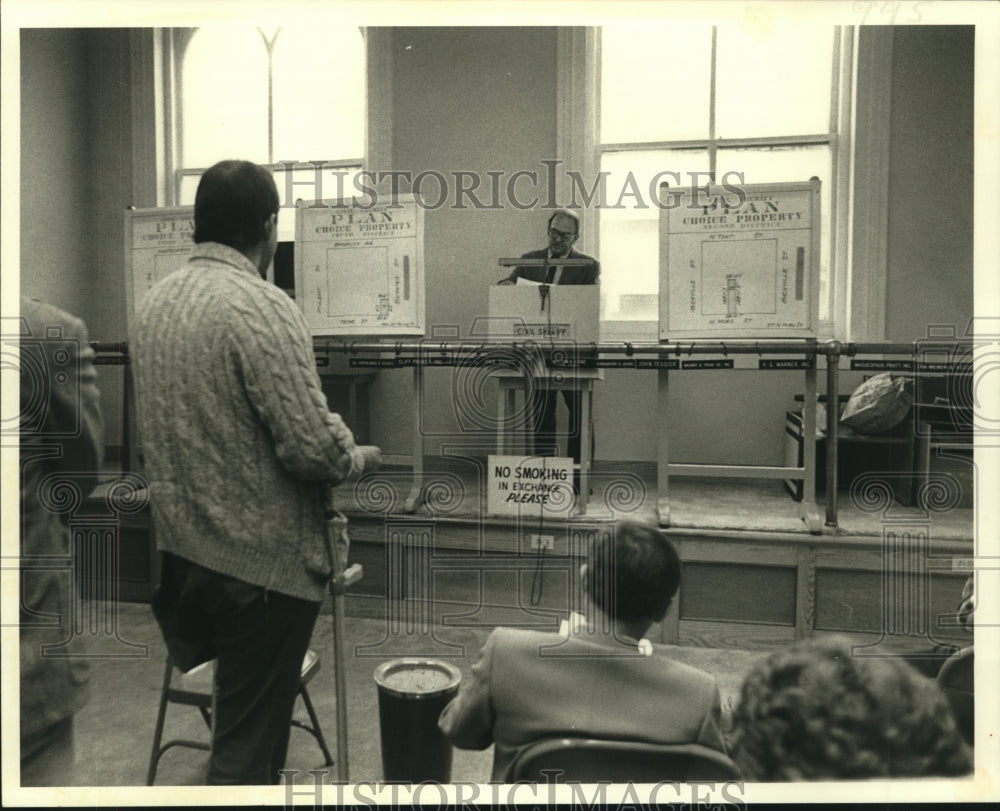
{"type": "Point", "coordinates": [555, 280]}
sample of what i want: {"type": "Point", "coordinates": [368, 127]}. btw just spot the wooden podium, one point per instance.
{"type": "Point", "coordinates": [554, 322]}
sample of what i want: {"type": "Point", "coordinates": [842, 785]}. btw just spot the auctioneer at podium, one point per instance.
{"type": "Point", "coordinates": [558, 264]}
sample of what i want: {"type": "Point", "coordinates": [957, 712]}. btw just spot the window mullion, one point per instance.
{"type": "Point", "coordinates": [870, 185]}
{"type": "Point", "coordinates": [178, 41]}
{"type": "Point", "coordinates": [835, 82]}
{"type": "Point", "coordinates": [712, 145]}
{"type": "Point", "coordinates": [270, 104]}
{"type": "Point", "coordinates": [841, 159]}
{"type": "Point", "coordinates": [652, 146]}
{"type": "Point", "coordinates": [269, 47]}
{"type": "Point", "coordinates": [175, 80]}
{"type": "Point", "coordinates": [813, 139]}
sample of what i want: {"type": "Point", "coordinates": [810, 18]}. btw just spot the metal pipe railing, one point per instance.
{"type": "Point", "coordinates": [831, 349]}
{"type": "Point", "coordinates": [832, 423]}
{"type": "Point", "coordinates": [117, 353]}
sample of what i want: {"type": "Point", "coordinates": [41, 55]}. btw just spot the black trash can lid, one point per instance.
{"type": "Point", "coordinates": [417, 678]}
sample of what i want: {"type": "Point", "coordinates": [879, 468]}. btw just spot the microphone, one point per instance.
{"type": "Point", "coordinates": [543, 292]}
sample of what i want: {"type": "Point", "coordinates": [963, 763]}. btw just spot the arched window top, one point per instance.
{"type": "Point", "coordinates": [268, 95]}
{"type": "Point", "coordinates": [224, 96]}
{"type": "Point", "coordinates": [319, 94]}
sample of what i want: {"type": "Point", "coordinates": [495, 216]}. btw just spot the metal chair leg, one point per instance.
{"type": "Point", "coordinates": [314, 729]}
{"type": "Point", "coordinates": [154, 757]}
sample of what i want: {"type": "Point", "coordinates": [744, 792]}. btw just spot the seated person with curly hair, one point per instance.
{"type": "Point", "coordinates": [815, 712]}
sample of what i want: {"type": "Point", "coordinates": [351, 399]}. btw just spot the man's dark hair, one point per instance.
{"type": "Point", "coordinates": [565, 212]}
{"type": "Point", "coordinates": [634, 573]}
{"type": "Point", "coordinates": [813, 711]}
{"type": "Point", "coordinates": [233, 201]}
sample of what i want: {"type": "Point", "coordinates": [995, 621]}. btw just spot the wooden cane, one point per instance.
{"type": "Point", "coordinates": [340, 580]}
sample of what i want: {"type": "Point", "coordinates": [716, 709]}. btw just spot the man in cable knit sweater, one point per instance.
{"type": "Point", "coordinates": [239, 447]}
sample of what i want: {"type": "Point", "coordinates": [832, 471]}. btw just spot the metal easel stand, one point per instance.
{"type": "Point", "coordinates": [807, 472]}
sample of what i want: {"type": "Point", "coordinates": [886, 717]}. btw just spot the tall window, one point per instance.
{"type": "Point", "coordinates": [701, 101]}
{"type": "Point", "coordinates": [273, 96]}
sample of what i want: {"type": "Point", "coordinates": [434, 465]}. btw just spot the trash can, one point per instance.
{"type": "Point", "coordinates": [411, 695]}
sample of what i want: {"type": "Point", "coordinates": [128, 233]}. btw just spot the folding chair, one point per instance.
{"type": "Point", "coordinates": [194, 689]}
{"type": "Point", "coordinates": [590, 761]}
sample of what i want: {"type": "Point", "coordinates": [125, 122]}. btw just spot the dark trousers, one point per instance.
{"type": "Point", "coordinates": [542, 410]}
{"type": "Point", "coordinates": [260, 640]}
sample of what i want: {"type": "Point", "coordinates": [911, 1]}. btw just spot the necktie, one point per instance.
{"type": "Point", "coordinates": [550, 275]}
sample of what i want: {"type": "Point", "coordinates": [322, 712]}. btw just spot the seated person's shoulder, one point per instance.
{"type": "Point", "coordinates": [682, 670]}
{"type": "Point", "coordinates": [39, 315]}
{"type": "Point", "coordinates": [519, 638]}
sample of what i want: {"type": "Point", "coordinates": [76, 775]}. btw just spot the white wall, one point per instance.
{"type": "Point", "coordinates": [930, 181]}
{"type": "Point", "coordinates": [476, 100]}
{"type": "Point", "coordinates": [57, 233]}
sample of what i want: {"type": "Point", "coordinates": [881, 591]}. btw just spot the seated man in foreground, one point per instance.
{"type": "Point", "coordinates": [598, 678]}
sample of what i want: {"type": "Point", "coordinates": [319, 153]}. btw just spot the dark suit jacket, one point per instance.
{"type": "Point", "coordinates": [530, 685]}
{"type": "Point", "coordinates": [588, 274]}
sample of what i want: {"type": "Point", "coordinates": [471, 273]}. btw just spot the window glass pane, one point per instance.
{"type": "Point", "coordinates": [333, 184]}
{"type": "Point", "coordinates": [655, 81]}
{"type": "Point", "coordinates": [784, 165]}
{"type": "Point", "coordinates": [773, 83]}
{"type": "Point", "coordinates": [189, 185]}
{"type": "Point", "coordinates": [629, 227]}
{"type": "Point", "coordinates": [225, 96]}
{"type": "Point", "coordinates": [319, 93]}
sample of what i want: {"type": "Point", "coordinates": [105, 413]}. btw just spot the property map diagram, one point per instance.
{"type": "Point", "coordinates": [157, 242]}
{"type": "Point", "coordinates": [738, 278]}
{"type": "Point", "coordinates": [741, 265]}
{"type": "Point", "coordinates": [359, 269]}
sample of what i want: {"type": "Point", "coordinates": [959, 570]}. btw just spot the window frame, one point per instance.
{"type": "Point", "coordinates": [165, 51]}
{"type": "Point", "coordinates": [858, 141]}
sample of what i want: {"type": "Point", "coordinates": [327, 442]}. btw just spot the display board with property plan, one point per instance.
{"type": "Point", "coordinates": [359, 267]}
{"type": "Point", "coordinates": [157, 242]}
{"type": "Point", "coordinates": [740, 261]}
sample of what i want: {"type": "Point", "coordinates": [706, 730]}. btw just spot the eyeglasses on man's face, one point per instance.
{"type": "Point", "coordinates": [555, 233]}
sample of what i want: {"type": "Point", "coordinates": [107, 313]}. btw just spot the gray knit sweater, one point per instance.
{"type": "Point", "coordinates": [234, 428]}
